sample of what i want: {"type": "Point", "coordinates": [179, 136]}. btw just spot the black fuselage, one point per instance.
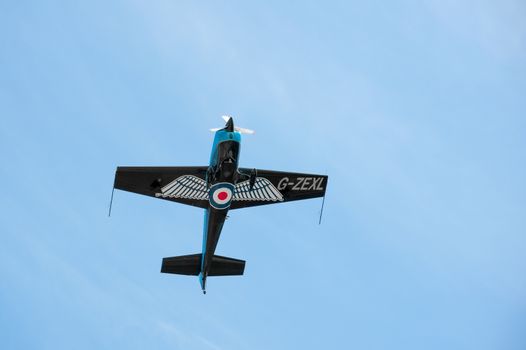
{"type": "Point", "coordinates": [222, 176]}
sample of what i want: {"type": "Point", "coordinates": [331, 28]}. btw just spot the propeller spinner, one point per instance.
{"type": "Point", "coordinates": [230, 126]}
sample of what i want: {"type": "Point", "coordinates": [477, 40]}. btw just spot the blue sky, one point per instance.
{"type": "Point", "coordinates": [415, 110]}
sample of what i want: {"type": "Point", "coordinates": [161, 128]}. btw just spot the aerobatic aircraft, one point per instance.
{"type": "Point", "coordinates": [217, 188]}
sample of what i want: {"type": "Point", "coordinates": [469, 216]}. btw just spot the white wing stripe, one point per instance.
{"type": "Point", "coordinates": [270, 193]}
{"type": "Point", "coordinates": [263, 190]}
{"type": "Point", "coordinates": [178, 190]}
{"type": "Point", "coordinates": [169, 186]}
{"type": "Point", "coordinates": [171, 191]}
{"type": "Point", "coordinates": [186, 186]}
{"type": "Point", "coordinates": [275, 192]}
{"type": "Point", "coordinates": [193, 184]}
{"type": "Point", "coordinates": [185, 192]}
{"type": "Point", "coordinates": [261, 194]}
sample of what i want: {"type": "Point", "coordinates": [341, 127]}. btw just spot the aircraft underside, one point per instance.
{"type": "Point", "coordinates": [217, 188]}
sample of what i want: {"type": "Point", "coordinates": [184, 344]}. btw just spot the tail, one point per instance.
{"type": "Point", "coordinates": [191, 265]}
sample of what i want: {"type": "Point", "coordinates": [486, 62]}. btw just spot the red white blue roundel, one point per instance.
{"type": "Point", "coordinates": [220, 195]}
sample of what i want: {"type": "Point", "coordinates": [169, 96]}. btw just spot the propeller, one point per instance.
{"type": "Point", "coordinates": [230, 125]}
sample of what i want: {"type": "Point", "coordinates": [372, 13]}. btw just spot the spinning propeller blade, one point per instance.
{"type": "Point", "coordinates": [230, 123]}
{"type": "Point", "coordinates": [244, 131]}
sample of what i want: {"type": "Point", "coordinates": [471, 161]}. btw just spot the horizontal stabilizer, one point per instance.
{"type": "Point", "coordinates": [223, 266]}
{"type": "Point", "coordinates": [182, 265]}
{"type": "Point", "coordinates": [191, 265]}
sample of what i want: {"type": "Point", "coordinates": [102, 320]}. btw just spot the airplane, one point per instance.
{"type": "Point", "coordinates": [217, 188]}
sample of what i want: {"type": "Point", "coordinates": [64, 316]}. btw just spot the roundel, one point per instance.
{"type": "Point", "coordinates": [221, 195]}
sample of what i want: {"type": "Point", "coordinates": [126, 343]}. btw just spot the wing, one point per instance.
{"type": "Point", "coordinates": [277, 186]}
{"type": "Point", "coordinates": [184, 185]}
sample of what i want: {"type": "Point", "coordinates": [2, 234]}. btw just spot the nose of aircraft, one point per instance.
{"type": "Point", "coordinates": [230, 125]}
